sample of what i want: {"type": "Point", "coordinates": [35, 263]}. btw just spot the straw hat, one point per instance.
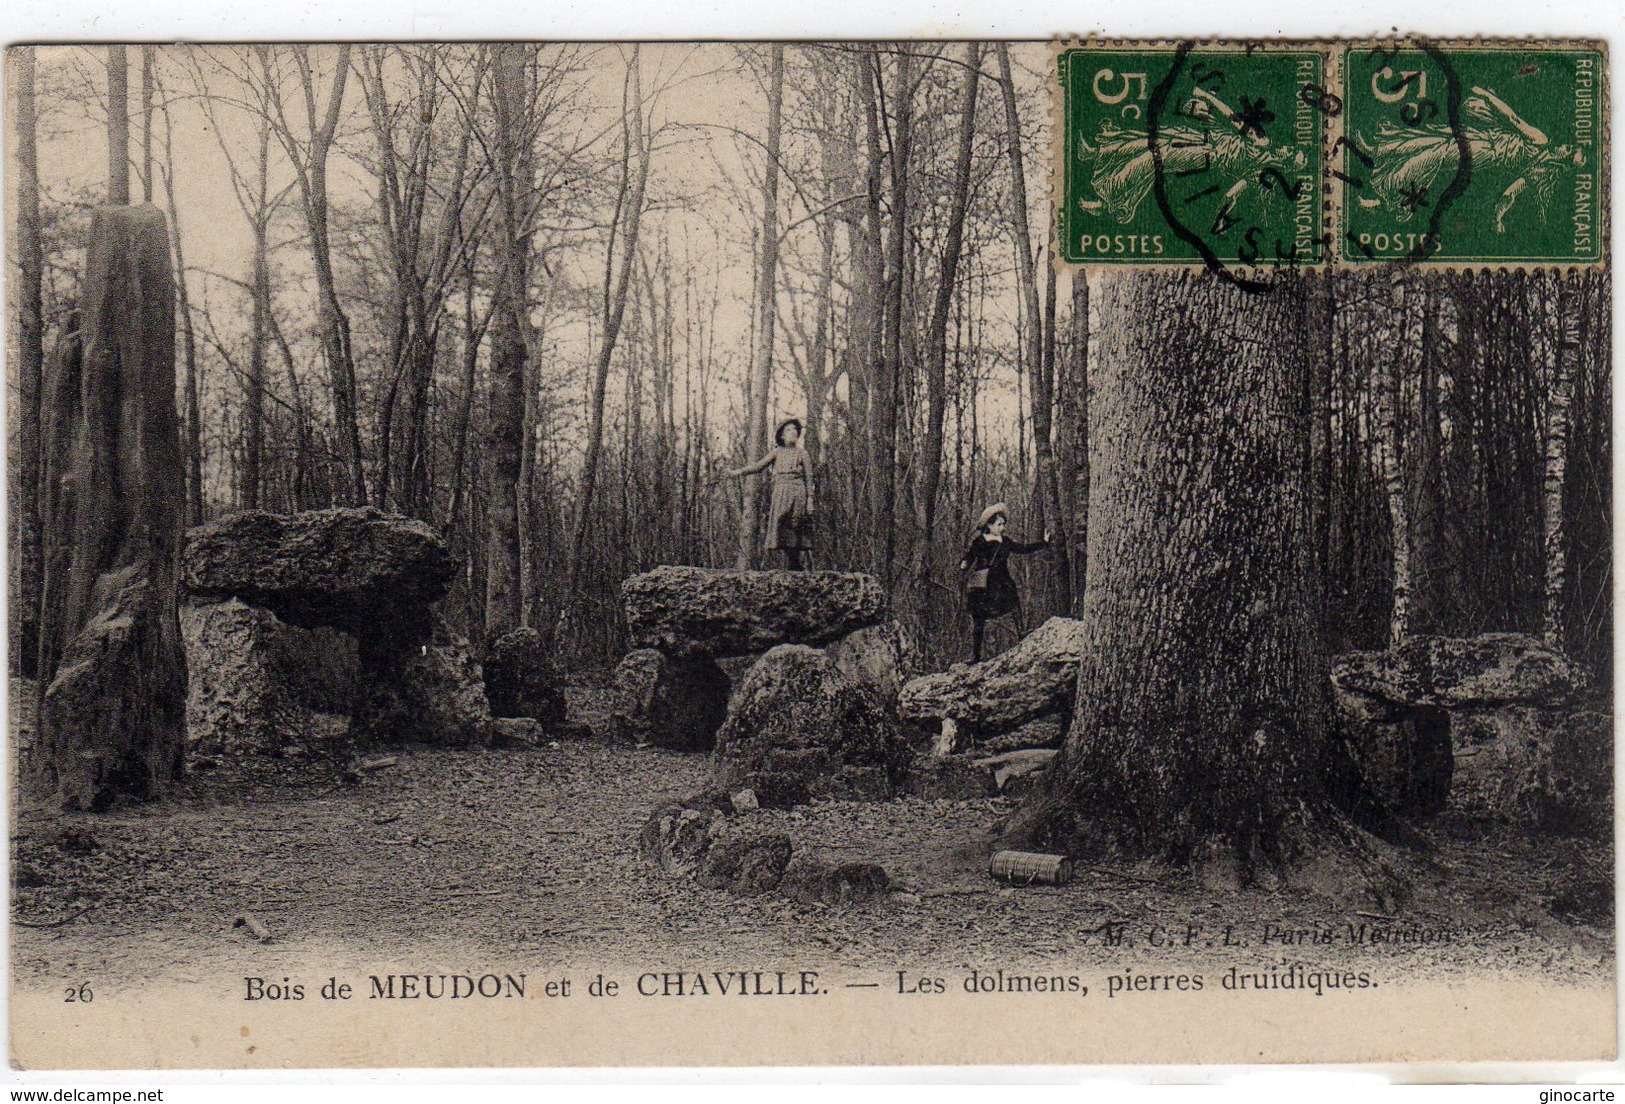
{"type": "Point", "coordinates": [989, 514]}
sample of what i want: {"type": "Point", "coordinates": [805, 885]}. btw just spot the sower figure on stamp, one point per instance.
{"type": "Point", "coordinates": [990, 592]}
{"type": "Point", "coordinates": [789, 517]}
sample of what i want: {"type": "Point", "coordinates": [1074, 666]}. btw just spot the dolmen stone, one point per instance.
{"type": "Point", "coordinates": [1478, 724]}
{"type": "Point", "coordinates": [362, 572]}
{"type": "Point", "coordinates": [672, 702]}
{"type": "Point", "coordinates": [1036, 679]}
{"type": "Point", "coordinates": [1479, 671]}
{"type": "Point", "coordinates": [356, 569]}
{"type": "Point", "coordinates": [238, 698]}
{"type": "Point", "coordinates": [430, 692]}
{"type": "Point", "coordinates": [876, 656]}
{"type": "Point", "coordinates": [522, 679]}
{"type": "Point", "coordinates": [798, 729]}
{"type": "Point", "coordinates": [702, 611]}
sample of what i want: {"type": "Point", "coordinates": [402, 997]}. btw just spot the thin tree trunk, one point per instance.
{"type": "Point", "coordinates": [310, 169]}
{"type": "Point", "coordinates": [1424, 474]}
{"type": "Point", "coordinates": [936, 356]}
{"type": "Point", "coordinates": [1043, 397]}
{"type": "Point", "coordinates": [634, 177]}
{"type": "Point", "coordinates": [254, 386]}
{"type": "Point", "coordinates": [1323, 338]}
{"type": "Point", "coordinates": [761, 371]}
{"type": "Point", "coordinates": [147, 87]}
{"type": "Point", "coordinates": [192, 443]}
{"type": "Point", "coordinates": [30, 366]}
{"type": "Point", "coordinates": [1386, 399]}
{"type": "Point", "coordinates": [867, 308]}
{"type": "Point", "coordinates": [1072, 430]}
{"type": "Point", "coordinates": [504, 438]}
{"type": "Point", "coordinates": [1558, 402]}
{"type": "Point", "coordinates": [889, 393]}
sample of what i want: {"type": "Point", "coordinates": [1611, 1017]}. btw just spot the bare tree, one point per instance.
{"type": "Point", "coordinates": [936, 342]}
{"type": "Point", "coordinates": [623, 239]}
{"type": "Point", "coordinates": [30, 365]}
{"type": "Point", "coordinates": [308, 155]}
{"type": "Point", "coordinates": [761, 368]}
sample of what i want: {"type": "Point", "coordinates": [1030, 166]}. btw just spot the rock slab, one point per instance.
{"type": "Point", "coordinates": [673, 702]}
{"type": "Point", "coordinates": [1036, 678]}
{"type": "Point", "coordinates": [359, 570]}
{"type": "Point", "coordinates": [1477, 724]}
{"type": "Point", "coordinates": [429, 693]}
{"type": "Point", "coordinates": [521, 678]}
{"type": "Point", "coordinates": [1480, 671]}
{"type": "Point", "coordinates": [237, 698]}
{"type": "Point", "coordinates": [687, 611]}
{"type": "Point", "coordinates": [798, 728]}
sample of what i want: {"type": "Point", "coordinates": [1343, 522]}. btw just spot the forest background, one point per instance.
{"type": "Point", "coordinates": [540, 295]}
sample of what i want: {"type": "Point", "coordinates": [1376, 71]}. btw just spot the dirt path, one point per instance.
{"type": "Point", "coordinates": [498, 857]}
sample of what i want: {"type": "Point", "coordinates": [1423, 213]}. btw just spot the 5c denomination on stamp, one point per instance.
{"type": "Point", "coordinates": [1470, 154]}
{"type": "Point", "coordinates": [1181, 154]}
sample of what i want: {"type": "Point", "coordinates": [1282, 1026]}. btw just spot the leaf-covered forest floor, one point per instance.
{"type": "Point", "coordinates": [515, 859]}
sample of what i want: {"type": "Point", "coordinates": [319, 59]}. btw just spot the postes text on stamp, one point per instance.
{"type": "Point", "coordinates": [1471, 154]}
{"type": "Point", "coordinates": [1176, 154]}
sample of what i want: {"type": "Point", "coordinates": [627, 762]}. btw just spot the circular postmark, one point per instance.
{"type": "Point", "coordinates": [1410, 153]}
{"type": "Point", "coordinates": [1235, 151]}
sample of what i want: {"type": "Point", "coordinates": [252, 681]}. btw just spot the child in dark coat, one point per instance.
{"type": "Point", "coordinates": [990, 592]}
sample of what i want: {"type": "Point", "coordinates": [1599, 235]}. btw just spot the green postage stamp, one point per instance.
{"type": "Point", "coordinates": [1176, 155]}
{"type": "Point", "coordinates": [1261, 156]}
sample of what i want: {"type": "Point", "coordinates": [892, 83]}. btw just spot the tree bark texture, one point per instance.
{"type": "Point", "coordinates": [1198, 736]}
{"type": "Point", "coordinates": [112, 716]}
{"type": "Point", "coordinates": [118, 126]}
{"type": "Point", "coordinates": [30, 367]}
{"type": "Point", "coordinates": [1559, 400]}
{"type": "Point", "coordinates": [504, 435]}
{"type": "Point", "coordinates": [767, 263]}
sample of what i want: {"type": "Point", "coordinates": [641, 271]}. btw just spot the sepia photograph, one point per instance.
{"type": "Point", "coordinates": [915, 552]}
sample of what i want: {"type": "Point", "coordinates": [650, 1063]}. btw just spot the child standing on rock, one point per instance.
{"type": "Point", "coordinates": [789, 517]}
{"type": "Point", "coordinates": [990, 592]}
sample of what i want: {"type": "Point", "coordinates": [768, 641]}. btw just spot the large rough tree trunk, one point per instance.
{"type": "Point", "coordinates": [113, 704]}
{"type": "Point", "coordinates": [30, 366]}
{"type": "Point", "coordinates": [1198, 737]}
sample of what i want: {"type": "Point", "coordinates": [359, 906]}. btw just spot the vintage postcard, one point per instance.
{"type": "Point", "coordinates": [816, 553]}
